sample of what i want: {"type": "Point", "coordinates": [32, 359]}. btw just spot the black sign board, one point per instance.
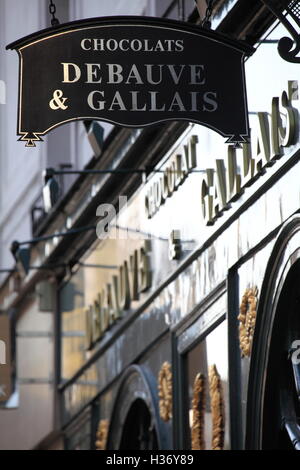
{"type": "Point", "coordinates": [134, 72]}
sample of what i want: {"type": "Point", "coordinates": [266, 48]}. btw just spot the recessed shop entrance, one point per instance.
{"type": "Point", "coordinates": [273, 414]}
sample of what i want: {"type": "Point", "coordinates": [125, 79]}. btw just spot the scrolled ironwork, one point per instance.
{"type": "Point", "coordinates": [288, 48]}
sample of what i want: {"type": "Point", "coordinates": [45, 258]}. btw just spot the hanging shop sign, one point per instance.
{"type": "Point", "coordinates": [133, 72]}
{"type": "Point", "coordinates": [5, 359]}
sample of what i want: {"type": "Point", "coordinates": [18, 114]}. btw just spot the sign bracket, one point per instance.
{"type": "Point", "coordinates": [288, 48]}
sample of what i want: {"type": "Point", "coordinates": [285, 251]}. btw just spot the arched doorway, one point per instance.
{"type": "Point", "coordinates": [139, 430]}
{"type": "Point", "coordinates": [281, 404]}
{"type": "Point", "coordinates": [273, 406]}
{"type": "Point", "coordinates": [135, 422]}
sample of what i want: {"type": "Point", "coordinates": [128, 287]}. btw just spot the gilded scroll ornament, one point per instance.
{"type": "Point", "coordinates": [217, 408]}
{"type": "Point", "coordinates": [198, 404]}
{"type": "Point", "coordinates": [247, 318]}
{"type": "Point", "coordinates": [101, 435]}
{"type": "Point", "coordinates": [165, 391]}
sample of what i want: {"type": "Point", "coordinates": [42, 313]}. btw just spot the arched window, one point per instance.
{"type": "Point", "coordinates": [273, 406]}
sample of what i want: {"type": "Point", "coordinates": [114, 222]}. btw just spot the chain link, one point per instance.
{"type": "Point", "coordinates": [52, 11]}
{"type": "Point", "coordinates": [206, 23]}
{"type": "Point", "coordinates": [181, 10]}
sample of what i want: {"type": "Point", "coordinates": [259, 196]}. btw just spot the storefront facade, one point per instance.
{"type": "Point", "coordinates": [28, 399]}
{"type": "Point", "coordinates": [157, 323]}
{"type": "Point", "coordinates": [171, 322]}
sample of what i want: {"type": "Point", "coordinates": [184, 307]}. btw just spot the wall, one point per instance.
{"type": "Point", "coordinates": [20, 167]}
{"type": "Point", "coordinates": [24, 426]}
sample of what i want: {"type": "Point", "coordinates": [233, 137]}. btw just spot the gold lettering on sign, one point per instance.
{"type": "Point", "coordinates": [222, 185]}
{"type": "Point", "coordinates": [178, 168]}
{"type": "Point", "coordinates": [134, 277]}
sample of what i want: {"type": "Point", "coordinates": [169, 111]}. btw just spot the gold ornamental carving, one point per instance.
{"type": "Point", "coordinates": [247, 319]}
{"type": "Point", "coordinates": [217, 408]}
{"type": "Point", "coordinates": [101, 435]}
{"type": "Point", "coordinates": [165, 391]}
{"type": "Point", "coordinates": [198, 404]}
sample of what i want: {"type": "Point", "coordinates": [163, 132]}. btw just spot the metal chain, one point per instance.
{"type": "Point", "coordinates": [52, 11]}
{"type": "Point", "coordinates": [206, 23]}
{"type": "Point", "coordinates": [181, 10]}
